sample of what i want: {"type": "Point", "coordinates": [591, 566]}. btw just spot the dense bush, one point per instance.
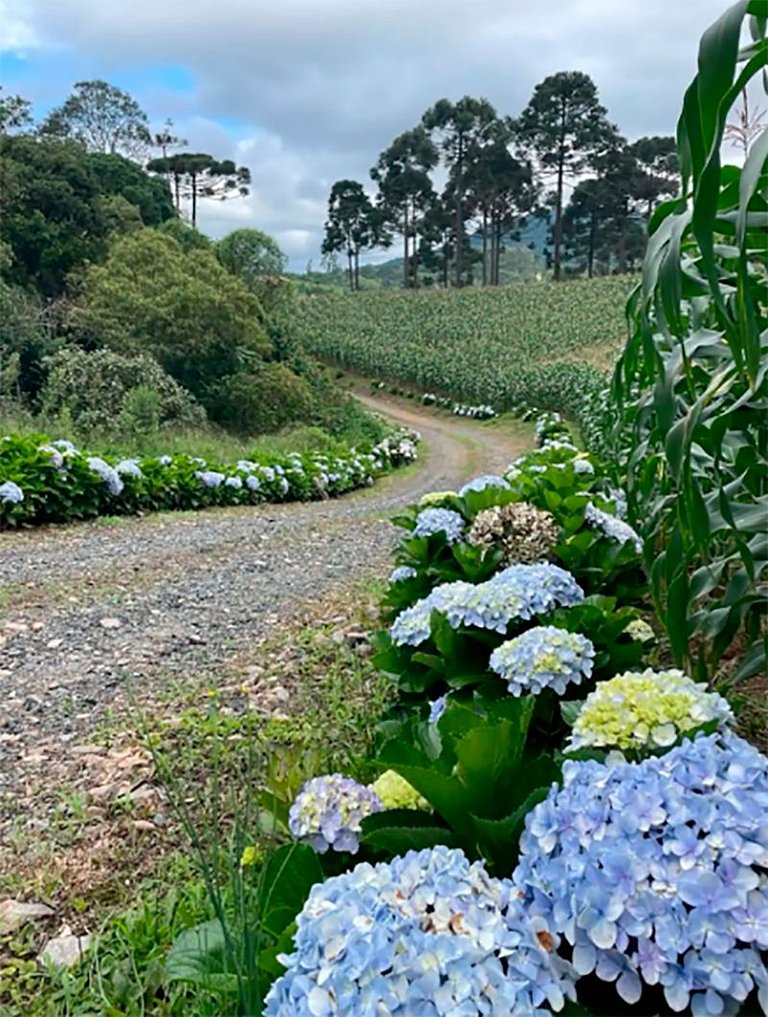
{"type": "Point", "coordinates": [105, 392]}
{"type": "Point", "coordinates": [262, 400]}
{"type": "Point", "coordinates": [180, 306]}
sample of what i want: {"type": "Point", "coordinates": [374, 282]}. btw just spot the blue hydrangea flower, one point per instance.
{"type": "Point", "coordinates": [402, 573]}
{"type": "Point", "coordinates": [252, 483]}
{"type": "Point", "coordinates": [656, 872]}
{"type": "Point", "coordinates": [64, 444]}
{"type": "Point", "coordinates": [481, 483]}
{"type": "Point", "coordinates": [516, 593]}
{"type": "Point", "coordinates": [165, 460]}
{"type": "Point", "coordinates": [108, 474]}
{"type": "Point", "coordinates": [439, 520]}
{"type": "Point", "coordinates": [425, 935]}
{"type": "Point", "coordinates": [583, 466]}
{"type": "Point", "coordinates": [210, 478]}
{"type": "Point", "coordinates": [234, 482]}
{"type": "Point", "coordinates": [328, 811]}
{"type": "Point", "coordinates": [543, 657]}
{"type": "Point", "coordinates": [437, 708]}
{"type": "Point", "coordinates": [613, 527]}
{"type": "Point", "coordinates": [129, 468]}
{"type": "Point", "coordinates": [55, 455]}
{"type": "Point", "coordinates": [11, 493]}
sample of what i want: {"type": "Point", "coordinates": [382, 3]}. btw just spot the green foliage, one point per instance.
{"type": "Point", "coordinates": [182, 307]}
{"type": "Point", "coordinates": [506, 347]}
{"type": "Point", "coordinates": [187, 236]}
{"type": "Point", "coordinates": [104, 392]}
{"type": "Point", "coordinates": [478, 774]}
{"type": "Point", "coordinates": [692, 381]}
{"type": "Point", "coordinates": [249, 253]}
{"type": "Point", "coordinates": [26, 338]}
{"type": "Point", "coordinates": [57, 206]}
{"type": "Point", "coordinates": [265, 399]}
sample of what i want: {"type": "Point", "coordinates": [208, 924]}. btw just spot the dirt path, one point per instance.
{"type": "Point", "coordinates": [88, 609]}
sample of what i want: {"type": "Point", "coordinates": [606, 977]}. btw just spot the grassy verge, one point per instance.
{"type": "Point", "coordinates": [113, 859]}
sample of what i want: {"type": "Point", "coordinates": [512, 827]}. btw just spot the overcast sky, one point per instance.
{"type": "Point", "coordinates": [307, 91]}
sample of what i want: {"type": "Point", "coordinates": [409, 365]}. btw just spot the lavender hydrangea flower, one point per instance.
{"type": "Point", "coordinates": [402, 573]}
{"type": "Point", "coordinates": [543, 657]}
{"type": "Point", "coordinates": [252, 483]}
{"type": "Point", "coordinates": [518, 592]}
{"type": "Point", "coordinates": [437, 708]}
{"type": "Point", "coordinates": [129, 468]}
{"type": "Point", "coordinates": [656, 872]}
{"type": "Point", "coordinates": [424, 935]}
{"type": "Point", "coordinates": [55, 455]}
{"type": "Point", "coordinates": [439, 520]}
{"type": "Point", "coordinates": [11, 493]}
{"type": "Point", "coordinates": [165, 460]}
{"type": "Point", "coordinates": [329, 810]}
{"type": "Point", "coordinates": [613, 527]}
{"type": "Point", "coordinates": [210, 478]}
{"type": "Point", "coordinates": [235, 483]}
{"type": "Point", "coordinates": [481, 483]}
{"type": "Point", "coordinates": [64, 444]}
{"type": "Point", "coordinates": [108, 474]}
{"type": "Point", "coordinates": [583, 466]}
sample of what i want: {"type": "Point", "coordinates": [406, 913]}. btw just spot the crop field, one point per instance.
{"type": "Point", "coordinates": [511, 346]}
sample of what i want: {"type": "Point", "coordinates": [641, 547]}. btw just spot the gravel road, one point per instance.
{"type": "Point", "coordinates": [86, 607]}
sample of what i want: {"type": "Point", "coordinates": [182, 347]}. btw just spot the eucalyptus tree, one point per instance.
{"type": "Point", "coordinates": [565, 130]}
{"type": "Point", "coordinates": [351, 226]}
{"type": "Point", "coordinates": [460, 129]}
{"type": "Point", "coordinates": [406, 194]}
{"type": "Point", "coordinates": [102, 117]}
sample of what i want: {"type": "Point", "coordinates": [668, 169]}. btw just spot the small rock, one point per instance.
{"type": "Point", "coordinates": [144, 825]}
{"type": "Point", "coordinates": [14, 913]}
{"type": "Point", "coordinates": [110, 623]}
{"type": "Point", "coordinates": [65, 949]}
{"type": "Point", "coordinates": [54, 644]}
{"type": "Point", "coordinates": [196, 639]}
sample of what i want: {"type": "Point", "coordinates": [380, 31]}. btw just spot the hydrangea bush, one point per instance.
{"type": "Point", "coordinates": [545, 657]}
{"type": "Point", "coordinates": [43, 481]}
{"type": "Point", "coordinates": [439, 520]}
{"type": "Point", "coordinates": [656, 873]}
{"type": "Point", "coordinates": [329, 810]}
{"type": "Point", "coordinates": [426, 934]}
{"type": "Point", "coordinates": [648, 710]}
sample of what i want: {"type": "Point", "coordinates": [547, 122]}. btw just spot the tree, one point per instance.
{"type": "Point", "coordinates": [565, 129]}
{"type": "Point", "coordinates": [103, 118]}
{"type": "Point", "coordinates": [460, 128]}
{"type": "Point", "coordinates": [657, 170]}
{"type": "Point", "coordinates": [55, 212]}
{"type": "Point", "coordinates": [249, 253]}
{"type": "Point", "coordinates": [405, 191]}
{"type": "Point", "coordinates": [15, 112]}
{"type": "Point", "coordinates": [197, 175]}
{"type": "Point", "coordinates": [499, 191]}
{"type": "Point", "coordinates": [182, 307]}
{"type": "Point", "coordinates": [351, 225]}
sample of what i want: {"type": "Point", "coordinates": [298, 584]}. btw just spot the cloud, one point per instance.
{"type": "Point", "coordinates": [317, 88]}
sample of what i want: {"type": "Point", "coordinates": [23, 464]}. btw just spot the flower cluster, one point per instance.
{"type": "Point", "coordinates": [328, 812]}
{"type": "Point", "coordinates": [108, 474]}
{"type": "Point", "coordinates": [394, 792]}
{"type": "Point", "coordinates": [11, 493]}
{"type": "Point", "coordinates": [436, 498]}
{"type": "Point", "coordinates": [426, 934]}
{"type": "Point", "coordinates": [657, 872]}
{"type": "Point", "coordinates": [401, 573]}
{"type": "Point", "coordinates": [480, 412]}
{"type": "Point", "coordinates": [439, 520]}
{"type": "Point", "coordinates": [645, 710]}
{"type": "Point", "coordinates": [483, 482]}
{"type": "Point", "coordinates": [129, 468]}
{"type": "Point", "coordinates": [543, 657]}
{"type": "Point", "coordinates": [518, 592]}
{"type": "Point", "coordinates": [524, 533]}
{"type": "Point", "coordinates": [640, 630]}
{"type": "Point", "coordinates": [613, 527]}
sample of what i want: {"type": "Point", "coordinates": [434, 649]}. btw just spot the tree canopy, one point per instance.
{"type": "Point", "coordinates": [102, 117]}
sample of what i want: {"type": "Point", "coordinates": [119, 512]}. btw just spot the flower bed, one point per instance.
{"type": "Point", "coordinates": [45, 481]}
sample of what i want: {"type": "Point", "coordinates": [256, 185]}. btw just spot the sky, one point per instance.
{"type": "Point", "coordinates": [305, 92]}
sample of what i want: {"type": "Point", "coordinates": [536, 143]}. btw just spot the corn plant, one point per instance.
{"type": "Point", "coordinates": [691, 383]}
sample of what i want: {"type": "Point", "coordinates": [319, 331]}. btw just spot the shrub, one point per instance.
{"type": "Point", "coordinates": [105, 392]}
{"type": "Point", "coordinates": [262, 400]}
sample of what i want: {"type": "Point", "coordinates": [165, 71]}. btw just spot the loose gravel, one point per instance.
{"type": "Point", "coordinates": [93, 609]}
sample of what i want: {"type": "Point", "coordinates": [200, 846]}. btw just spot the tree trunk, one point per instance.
{"type": "Point", "coordinates": [194, 198]}
{"type": "Point", "coordinates": [591, 251]}
{"type": "Point", "coordinates": [558, 238]}
{"type": "Point", "coordinates": [350, 271]}
{"type": "Point", "coordinates": [405, 246]}
{"type": "Point", "coordinates": [459, 224]}
{"type": "Point", "coordinates": [177, 189]}
{"type": "Point", "coordinates": [485, 246]}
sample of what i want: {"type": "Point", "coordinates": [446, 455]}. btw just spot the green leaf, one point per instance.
{"type": "Point", "coordinates": [202, 955]}
{"type": "Point", "coordinates": [289, 875]}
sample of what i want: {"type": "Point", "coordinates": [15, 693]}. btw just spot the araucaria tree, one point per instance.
{"type": "Point", "coordinates": [350, 227]}
{"type": "Point", "coordinates": [196, 175]}
{"type": "Point", "coordinates": [104, 118]}
{"type": "Point", "coordinates": [405, 193]}
{"type": "Point", "coordinates": [460, 129]}
{"type": "Point", "coordinates": [565, 130]}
